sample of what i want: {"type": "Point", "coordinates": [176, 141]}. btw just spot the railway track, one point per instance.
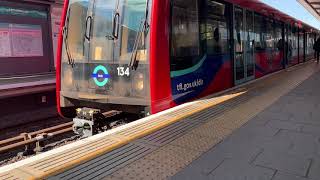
{"type": "Point", "coordinates": [37, 138]}
{"type": "Point", "coordinates": [23, 145]}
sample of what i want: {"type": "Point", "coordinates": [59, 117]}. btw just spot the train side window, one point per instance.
{"type": "Point", "coordinates": [269, 34]}
{"type": "Point", "coordinates": [185, 34]}
{"type": "Point", "coordinates": [216, 31]}
{"type": "Point", "coordinates": [259, 23]}
{"type": "Point", "coordinates": [301, 38]}
{"type": "Point", "coordinates": [294, 41]}
{"type": "Point", "coordinates": [238, 31]}
{"type": "Point", "coordinates": [278, 37]}
{"type": "Point", "coordinates": [310, 42]}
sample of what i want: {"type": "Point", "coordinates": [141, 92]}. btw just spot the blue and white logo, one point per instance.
{"type": "Point", "coordinates": [100, 76]}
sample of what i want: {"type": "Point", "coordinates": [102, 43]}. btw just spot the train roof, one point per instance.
{"type": "Point", "coordinates": [269, 11]}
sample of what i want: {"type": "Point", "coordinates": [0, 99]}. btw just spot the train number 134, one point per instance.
{"type": "Point", "coordinates": [123, 71]}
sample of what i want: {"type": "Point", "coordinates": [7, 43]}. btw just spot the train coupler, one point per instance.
{"type": "Point", "coordinates": [89, 122]}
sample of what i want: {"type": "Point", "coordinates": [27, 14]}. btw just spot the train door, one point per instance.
{"type": "Point", "coordinates": [243, 45]}
{"type": "Point", "coordinates": [301, 49]}
{"type": "Point", "coordinates": [249, 48]}
{"type": "Point", "coordinates": [286, 40]}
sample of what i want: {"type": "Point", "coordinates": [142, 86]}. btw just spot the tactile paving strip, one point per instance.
{"type": "Point", "coordinates": [160, 164]}
{"type": "Point", "coordinates": [52, 163]}
{"type": "Point", "coordinates": [106, 164]}
{"type": "Point", "coordinates": [168, 134]}
{"type": "Point", "coordinates": [177, 129]}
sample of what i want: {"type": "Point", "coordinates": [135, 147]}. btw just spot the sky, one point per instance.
{"type": "Point", "coordinates": [294, 9]}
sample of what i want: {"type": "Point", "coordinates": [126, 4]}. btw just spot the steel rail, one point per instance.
{"type": "Point", "coordinates": [35, 133]}
{"type": "Point", "coordinates": [37, 136]}
{"type": "Point", "coordinates": [50, 129]}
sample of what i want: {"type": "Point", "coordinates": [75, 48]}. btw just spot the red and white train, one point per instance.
{"type": "Point", "coordinates": [145, 56]}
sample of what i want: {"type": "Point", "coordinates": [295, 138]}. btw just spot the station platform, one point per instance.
{"type": "Point", "coordinates": [21, 85]}
{"type": "Point", "coordinates": [27, 98]}
{"type": "Point", "coordinates": [268, 129]}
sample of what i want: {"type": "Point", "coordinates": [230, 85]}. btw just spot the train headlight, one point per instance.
{"type": "Point", "coordinates": [140, 85]}
{"type": "Point", "coordinates": [139, 82]}
{"type": "Point", "coordinates": [68, 77]}
{"type": "Point", "coordinates": [78, 110]}
{"type": "Point", "coordinates": [91, 113]}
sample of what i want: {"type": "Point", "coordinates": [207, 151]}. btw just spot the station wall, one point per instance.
{"type": "Point", "coordinates": [28, 33]}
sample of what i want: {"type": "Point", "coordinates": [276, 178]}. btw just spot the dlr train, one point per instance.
{"type": "Point", "coordinates": [145, 56]}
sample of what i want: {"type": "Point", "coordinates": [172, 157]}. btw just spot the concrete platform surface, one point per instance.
{"type": "Point", "coordinates": [280, 143]}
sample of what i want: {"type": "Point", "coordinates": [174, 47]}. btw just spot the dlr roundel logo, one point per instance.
{"type": "Point", "coordinates": [100, 76]}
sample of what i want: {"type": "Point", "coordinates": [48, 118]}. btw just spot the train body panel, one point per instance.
{"type": "Point", "coordinates": [222, 79]}
{"type": "Point", "coordinates": [160, 87]}
{"type": "Point", "coordinates": [58, 61]}
{"type": "Point", "coordinates": [197, 81]}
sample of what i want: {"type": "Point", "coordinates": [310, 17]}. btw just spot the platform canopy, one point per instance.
{"type": "Point", "coordinates": [267, 10]}
{"type": "Point", "coordinates": [313, 6]}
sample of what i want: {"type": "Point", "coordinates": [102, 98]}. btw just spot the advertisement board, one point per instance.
{"type": "Point", "coordinates": [20, 40]}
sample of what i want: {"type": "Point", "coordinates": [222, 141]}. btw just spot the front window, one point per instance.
{"type": "Point", "coordinates": [100, 37]}
{"type": "Point", "coordinates": [101, 47]}
{"type": "Point", "coordinates": [133, 14]}
{"type": "Point", "coordinates": [75, 30]}
{"type": "Point", "coordinates": [95, 18]}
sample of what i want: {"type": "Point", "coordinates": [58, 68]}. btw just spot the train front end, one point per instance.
{"type": "Point", "coordinates": [104, 57]}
